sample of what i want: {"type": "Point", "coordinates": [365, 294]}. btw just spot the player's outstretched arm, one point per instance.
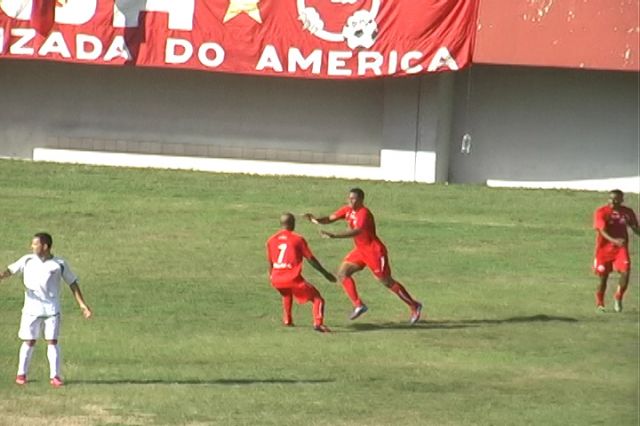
{"type": "Point", "coordinates": [318, 267]}
{"type": "Point", "coordinates": [324, 220]}
{"type": "Point", "coordinates": [345, 234]}
{"type": "Point", "coordinates": [77, 294]}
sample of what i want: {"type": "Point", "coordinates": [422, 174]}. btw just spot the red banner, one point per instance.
{"type": "Point", "coordinates": [43, 15]}
{"type": "Point", "coordinates": [290, 38]}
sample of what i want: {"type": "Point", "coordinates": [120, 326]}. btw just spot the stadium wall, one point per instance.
{"type": "Point", "coordinates": [547, 127]}
{"type": "Point", "coordinates": [173, 112]}
{"type": "Point", "coordinates": [529, 126]}
{"type": "Point", "coordinates": [382, 125]}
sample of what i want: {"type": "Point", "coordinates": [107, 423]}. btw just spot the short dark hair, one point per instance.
{"type": "Point", "coordinates": [288, 220]}
{"type": "Point", "coordinates": [44, 238]}
{"type": "Point", "coordinates": [359, 192]}
{"type": "Point", "coordinates": [617, 192]}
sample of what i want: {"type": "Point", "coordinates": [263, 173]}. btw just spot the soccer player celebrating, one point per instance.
{"type": "Point", "coordinates": [612, 240]}
{"type": "Point", "coordinates": [42, 273]}
{"type": "Point", "coordinates": [285, 253]}
{"type": "Point", "coordinates": [369, 251]}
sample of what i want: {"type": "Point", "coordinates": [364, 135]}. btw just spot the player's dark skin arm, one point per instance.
{"type": "Point", "coordinates": [330, 219]}
{"type": "Point", "coordinates": [318, 267]}
{"type": "Point", "coordinates": [5, 274]}
{"type": "Point", "coordinates": [616, 241]}
{"type": "Point", "coordinates": [324, 220]}
{"type": "Point", "coordinates": [344, 234]}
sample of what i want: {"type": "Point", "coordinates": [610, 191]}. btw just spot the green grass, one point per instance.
{"type": "Point", "coordinates": [186, 327]}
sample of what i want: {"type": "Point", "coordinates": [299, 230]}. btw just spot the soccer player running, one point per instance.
{"type": "Point", "coordinates": [369, 251]}
{"type": "Point", "coordinates": [612, 240]}
{"type": "Point", "coordinates": [286, 251]}
{"type": "Point", "coordinates": [42, 273]}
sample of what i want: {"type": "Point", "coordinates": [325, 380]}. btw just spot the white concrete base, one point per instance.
{"type": "Point", "coordinates": [626, 184]}
{"type": "Point", "coordinates": [394, 165]}
{"type": "Point", "coordinates": [397, 165]}
{"type": "Point", "coordinates": [425, 167]}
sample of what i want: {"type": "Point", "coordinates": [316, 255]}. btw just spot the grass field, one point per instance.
{"type": "Point", "coordinates": [187, 329]}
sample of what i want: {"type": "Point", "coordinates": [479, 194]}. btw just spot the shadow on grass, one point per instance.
{"type": "Point", "coordinates": [196, 382]}
{"type": "Point", "coordinates": [431, 324]}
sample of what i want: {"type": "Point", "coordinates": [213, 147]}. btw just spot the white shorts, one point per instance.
{"type": "Point", "coordinates": [30, 327]}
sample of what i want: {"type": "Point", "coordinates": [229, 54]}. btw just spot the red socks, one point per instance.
{"type": "Point", "coordinates": [287, 302]}
{"type": "Point", "coordinates": [318, 311]}
{"type": "Point", "coordinates": [349, 286]}
{"type": "Point", "coordinates": [599, 298]}
{"type": "Point", "coordinates": [402, 293]}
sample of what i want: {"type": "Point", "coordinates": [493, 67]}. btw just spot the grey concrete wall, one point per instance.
{"type": "Point", "coordinates": [400, 118]}
{"type": "Point", "coordinates": [526, 123]}
{"type": "Point", "coordinates": [436, 119]}
{"type": "Point", "coordinates": [49, 104]}
{"type": "Point", "coordinates": [545, 124]}
{"type": "Point", "coordinates": [418, 115]}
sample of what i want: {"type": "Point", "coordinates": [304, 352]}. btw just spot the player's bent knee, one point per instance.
{"type": "Point", "coordinates": [385, 281]}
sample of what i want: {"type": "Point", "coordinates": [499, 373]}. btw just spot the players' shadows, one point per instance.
{"type": "Point", "coordinates": [232, 382]}
{"type": "Point", "coordinates": [434, 324]}
{"type": "Point", "coordinates": [362, 326]}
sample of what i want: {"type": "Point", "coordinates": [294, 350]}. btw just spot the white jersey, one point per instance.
{"type": "Point", "coordinates": [42, 281]}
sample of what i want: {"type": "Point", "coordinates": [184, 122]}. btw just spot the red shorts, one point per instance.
{"type": "Point", "coordinates": [301, 290]}
{"type": "Point", "coordinates": [374, 257]}
{"type": "Point", "coordinates": [609, 258]}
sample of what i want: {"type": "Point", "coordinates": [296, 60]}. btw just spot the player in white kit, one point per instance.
{"type": "Point", "coordinates": [42, 274]}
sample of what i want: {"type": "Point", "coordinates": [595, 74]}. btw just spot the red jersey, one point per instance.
{"type": "Point", "coordinates": [286, 251]}
{"type": "Point", "coordinates": [362, 219]}
{"type": "Point", "coordinates": [614, 222]}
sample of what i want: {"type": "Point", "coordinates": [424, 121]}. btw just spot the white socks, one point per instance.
{"type": "Point", "coordinates": [24, 358]}
{"type": "Point", "coordinates": [53, 354]}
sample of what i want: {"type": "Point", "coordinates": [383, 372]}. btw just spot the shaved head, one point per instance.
{"type": "Point", "coordinates": [288, 221]}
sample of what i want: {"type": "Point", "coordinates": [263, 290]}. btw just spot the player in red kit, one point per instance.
{"type": "Point", "coordinates": [612, 241]}
{"type": "Point", "coordinates": [369, 252]}
{"type": "Point", "coordinates": [286, 251]}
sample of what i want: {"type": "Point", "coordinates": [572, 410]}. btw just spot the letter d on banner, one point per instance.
{"type": "Point", "coordinates": [171, 55]}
